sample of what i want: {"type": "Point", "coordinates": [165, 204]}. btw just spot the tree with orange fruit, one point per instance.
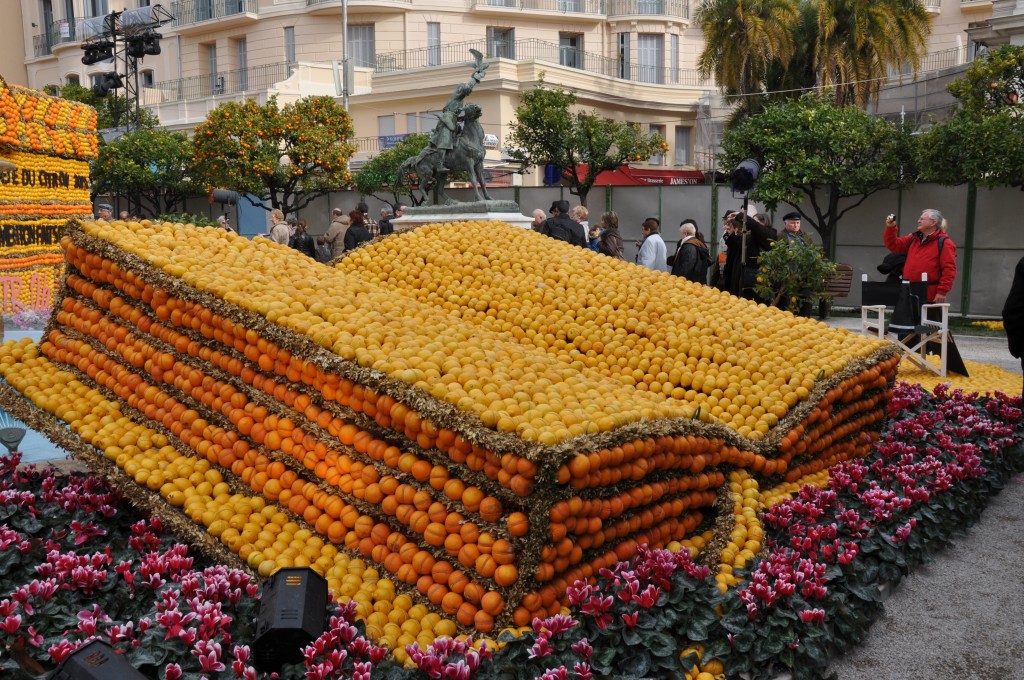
{"type": "Point", "coordinates": [277, 156]}
{"type": "Point", "coordinates": [548, 129]}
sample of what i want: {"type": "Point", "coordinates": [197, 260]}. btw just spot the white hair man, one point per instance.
{"type": "Point", "coordinates": [929, 250]}
{"type": "Point", "coordinates": [538, 218]}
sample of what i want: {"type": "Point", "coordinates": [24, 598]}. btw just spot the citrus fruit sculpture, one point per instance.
{"type": "Point", "coordinates": [480, 413]}
{"type": "Point", "coordinates": [46, 143]}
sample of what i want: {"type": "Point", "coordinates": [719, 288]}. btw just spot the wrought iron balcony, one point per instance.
{"type": "Point", "coordinates": [537, 50]}
{"type": "Point", "coordinates": [590, 7]}
{"type": "Point", "coordinates": [252, 79]}
{"type": "Point", "coordinates": [376, 144]}
{"type": "Point", "coordinates": [187, 12]}
{"type": "Point", "coordinates": [42, 45]}
{"type": "Point", "coordinates": [679, 9]}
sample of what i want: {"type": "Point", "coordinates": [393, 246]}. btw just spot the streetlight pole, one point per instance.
{"type": "Point", "coordinates": [344, 55]}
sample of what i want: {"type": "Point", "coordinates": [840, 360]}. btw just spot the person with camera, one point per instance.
{"type": "Point", "coordinates": [929, 250]}
{"type": "Point", "coordinates": [748, 237]}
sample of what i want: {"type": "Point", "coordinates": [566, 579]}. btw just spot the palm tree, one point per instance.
{"type": "Point", "coordinates": [859, 40]}
{"type": "Point", "coordinates": [742, 39]}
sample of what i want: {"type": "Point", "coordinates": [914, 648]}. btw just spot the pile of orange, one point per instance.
{"type": "Point", "coordinates": [482, 450]}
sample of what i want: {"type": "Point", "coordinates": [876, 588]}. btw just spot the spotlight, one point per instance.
{"type": "Point", "coordinates": [222, 196]}
{"type": "Point", "coordinates": [96, 52]}
{"type": "Point", "coordinates": [743, 178]}
{"type": "Point", "coordinates": [292, 615]}
{"type": "Point", "coordinates": [151, 44]}
{"type": "Point", "coordinates": [95, 660]}
{"type": "Point", "coordinates": [136, 48]}
{"type": "Point", "coordinates": [105, 82]}
{"type": "Point", "coordinates": [147, 43]}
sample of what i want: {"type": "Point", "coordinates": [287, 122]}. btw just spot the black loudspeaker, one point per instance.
{"type": "Point", "coordinates": [292, 614]}
{"type": "Point", "coordinates": [222, 196]}
{"type": "Point", "coordinates": [95, 660]}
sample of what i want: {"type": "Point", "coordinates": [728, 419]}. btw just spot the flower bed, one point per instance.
{"type": "Point", "coordinates": [814, 592]}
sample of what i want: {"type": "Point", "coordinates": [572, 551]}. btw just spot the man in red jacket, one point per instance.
{"type": "Point", "coordinates": [928, 250]}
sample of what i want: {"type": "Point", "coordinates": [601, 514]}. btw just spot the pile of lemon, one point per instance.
{"type": "Point", "coordinates": [503, 321]}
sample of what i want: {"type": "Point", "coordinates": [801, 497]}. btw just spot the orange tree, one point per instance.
{"type": "Point", "coordinates": [550, 129]}
{"type": "Point", "coordinates": [277, 157]}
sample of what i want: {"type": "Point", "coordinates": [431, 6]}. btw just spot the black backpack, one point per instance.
{"type": "Point", "coordinates": [701, 266]}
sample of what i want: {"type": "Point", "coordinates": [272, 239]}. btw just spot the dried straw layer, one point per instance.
{"type": "Point", "coordinates": [383, 453]}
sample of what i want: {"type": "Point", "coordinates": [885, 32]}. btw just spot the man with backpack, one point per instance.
{"type": "Point", "coordinates": [561, 227]}
{"type": "Point", "coordinates": [692, 258]}
{"type": "Point", "coordinates": [929, 251]}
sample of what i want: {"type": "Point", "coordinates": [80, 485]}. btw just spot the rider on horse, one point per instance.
{"type": "Point", "coordinates": [445, 133]}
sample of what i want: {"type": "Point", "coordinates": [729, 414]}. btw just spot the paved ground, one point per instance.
{"type": "Point", "coordinates": [960, 617]}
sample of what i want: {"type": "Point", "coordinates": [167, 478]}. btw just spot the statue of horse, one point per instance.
{"type": "Point", "coordinates": [467, 156]}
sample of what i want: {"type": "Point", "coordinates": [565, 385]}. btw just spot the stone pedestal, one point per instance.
{"type": "Point", "coordinates": [503, 211]}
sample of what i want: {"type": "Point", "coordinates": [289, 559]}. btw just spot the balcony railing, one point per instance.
{"type": "Point", "coordinates": [188, 12]}
{"type": "Point", "coordinates": [932, 4]}
{"type": "Point", "coordinates": [252, 79]}
{"type": "Point", "coordinates": [936, 61]}
{"type": "Point", "coordinates": [310, 3]}
{"type": "Point", "coordinates": [594, 7]}
{"type": "Point", "coordinates": [538, 50]}
{"type": "Point", "coordinates": [379, 143]}
{"type": "Point", "coordinates": [669, 8]}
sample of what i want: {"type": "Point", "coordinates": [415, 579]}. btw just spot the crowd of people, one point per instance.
{"type": "Point", "coordinates": [344, 232]}
{"type": "Point", "coordinates": [928, 251]}
{"type": "Point", "coordinates": [742, 243]}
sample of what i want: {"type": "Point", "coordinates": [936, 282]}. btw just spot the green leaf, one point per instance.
{"type": "Point", "coordinates": [27, 524]}
{"type": "Point", "coordinates": [660, 643]}
{"type": "Point", "coordinates": [602, 658]}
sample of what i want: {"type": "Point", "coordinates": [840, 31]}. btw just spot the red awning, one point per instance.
{"type": "Point", "coordinates": [629, 176]}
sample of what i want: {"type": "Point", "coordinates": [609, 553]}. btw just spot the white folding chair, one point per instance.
{"type": "Point", "coordinates": [914, 334]}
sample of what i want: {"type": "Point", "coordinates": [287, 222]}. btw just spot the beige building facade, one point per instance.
{"type": "Point", "coordinates": [12, 47]}
{"type": "Point", "coordinates": [633, 60]}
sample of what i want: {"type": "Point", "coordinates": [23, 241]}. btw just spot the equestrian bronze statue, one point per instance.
{"type": "Point", "coordinates": [456, 145]}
